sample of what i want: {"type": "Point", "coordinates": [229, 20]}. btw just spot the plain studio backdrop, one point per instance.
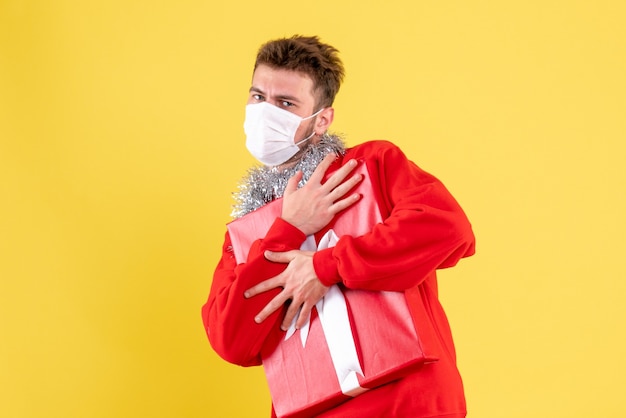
{"type": "Point", "coordinates": [121, 141]}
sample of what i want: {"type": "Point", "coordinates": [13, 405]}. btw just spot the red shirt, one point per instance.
{"type": "Point", "coordinates": [424, 229]}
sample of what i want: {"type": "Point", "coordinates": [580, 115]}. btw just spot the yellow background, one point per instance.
{"type": "Point", "coordinates": [121, 140]}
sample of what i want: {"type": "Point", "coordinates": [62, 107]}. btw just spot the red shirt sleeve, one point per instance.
{"type": "Point", "coordinates": [228, 316]}
{"type": "Point", "coordinates": [424, 228]}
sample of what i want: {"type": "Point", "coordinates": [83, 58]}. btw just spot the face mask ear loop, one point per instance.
{"type": "Point", "coordinates": [312, 133]}
{"type": "Point", "coordinates": [305, 139]}
{"type": "Point", "coordinates": [314, 114]}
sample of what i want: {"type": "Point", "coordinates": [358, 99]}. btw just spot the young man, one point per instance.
{"type": "Point", "coordinates": [252, 303]}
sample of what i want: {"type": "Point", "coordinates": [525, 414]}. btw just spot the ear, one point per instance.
{"type": "Point", "coordinates": [324, 119]}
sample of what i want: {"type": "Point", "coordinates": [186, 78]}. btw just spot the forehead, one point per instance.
{"type": "Point", "coordinates": [281, 82]}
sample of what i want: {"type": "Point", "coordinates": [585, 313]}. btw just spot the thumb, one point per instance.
{"type": "Point", "coordinates": [278, 257]}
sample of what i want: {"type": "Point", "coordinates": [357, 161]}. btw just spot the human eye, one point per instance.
{"type": "Point", "coordinates": [286, 103]}
{"type": "Point", "coordinates": [257, 97]}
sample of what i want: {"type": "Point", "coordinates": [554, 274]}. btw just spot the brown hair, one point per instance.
{"type": "Point", "coordinates": [308, 55]}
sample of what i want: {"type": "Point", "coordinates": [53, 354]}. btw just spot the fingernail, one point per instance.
{"type": "Point", "coordinates": [246, 294]}
{"type": "Point", "coordinates": [257, 320]}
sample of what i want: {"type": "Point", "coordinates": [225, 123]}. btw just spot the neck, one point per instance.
{"type": "Point", "coordinates": [264, 184]}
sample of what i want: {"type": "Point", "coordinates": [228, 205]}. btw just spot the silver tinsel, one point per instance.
{"type": "Point", "coordinates": [264, 184]}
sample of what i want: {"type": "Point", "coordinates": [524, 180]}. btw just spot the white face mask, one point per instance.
{"type": "Point", "coordinates": [270, 132]}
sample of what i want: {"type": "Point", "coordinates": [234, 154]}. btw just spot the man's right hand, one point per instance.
{"type": "Point", "coordinates": [312, 207]}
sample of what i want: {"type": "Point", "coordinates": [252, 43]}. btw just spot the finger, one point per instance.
{"type": "Point", "coordinates": [292, 312]}
{"type": "Point", "coordinates": [320, 170]}
{"type": "Point", "coordinates": [305, 314]}
{"type": "Point", "coordinates": [346, 186]}
{"type": "Point", "coordinates": [275, 304]}
{"type": "Point", "coordinates": [280, 257]}
{"type": "Point", "coordinates": [340, 175]}
{"type": "Point", "coordinates": [302, 315]}
{"type": "Point", "coordinates": [264, 286]}
{"type": "Point", "coordinates": [342, 204]}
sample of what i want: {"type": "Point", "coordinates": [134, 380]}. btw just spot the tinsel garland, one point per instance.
{"type": "Point", "coordinates": [264, 184]}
